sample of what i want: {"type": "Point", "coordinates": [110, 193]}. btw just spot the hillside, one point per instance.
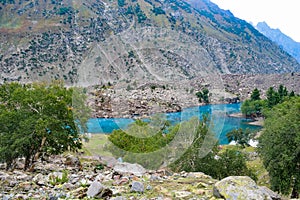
{"type": "Point", "coordinates": [284, 41]}
{"type": "Point", "coordinates": [95, 41]}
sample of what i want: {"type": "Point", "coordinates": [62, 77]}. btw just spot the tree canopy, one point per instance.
{"type": "Point", "coordinates": [203, 95]}
{"type": "Point", "coordinates": [255, 95]}
{"type": "Point", "coordinates": [279, 146]}
{"type": "Point", "coordinates": [255, 105]}
{"type": "Point", "coordinates": [240, 136]}
{"type": "Point", "coordinates": [39, 120]}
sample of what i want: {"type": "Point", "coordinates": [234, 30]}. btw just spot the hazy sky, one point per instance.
{"type": "Point", "coordinates": [282, 14]}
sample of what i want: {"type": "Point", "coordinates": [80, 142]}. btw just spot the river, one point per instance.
{"type": "Point", "coordinates": [222, 122]}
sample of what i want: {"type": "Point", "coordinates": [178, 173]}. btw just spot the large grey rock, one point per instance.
{"type": "Point", "coordinates": [108, 161]}
{"type": "Point", "coordinates": [128, 168]}
{"type": "Point", "coordinates": [94, 189]}
{"type": "Point", "coordinates": [240, 188]}
{"type": "Point", "coordinates": [272, 194]}
{"type": "Point", "coordinates": [137, 186]}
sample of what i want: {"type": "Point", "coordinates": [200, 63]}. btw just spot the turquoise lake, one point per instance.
{"type": "Point", "coordinates": [222, 122]}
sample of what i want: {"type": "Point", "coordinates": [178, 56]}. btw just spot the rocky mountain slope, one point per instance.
{"type": "Point", "coordinates": [95, 41]}
{"type": "Point", "coordinates": [284, 41]}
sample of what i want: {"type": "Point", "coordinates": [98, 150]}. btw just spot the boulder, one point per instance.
{"type": "Point", "coordinates": [240, 187]}
{"type": "Point", "coordinates": [94, 189]}
{"type": "Point", "coordinates": [128, 168]}
{"type": "Point", "coordinates": [137, 186]}
{"type": "Point", "coordinates": [72, 161]}
{"type": "Point", "coordinates": [272, 194]}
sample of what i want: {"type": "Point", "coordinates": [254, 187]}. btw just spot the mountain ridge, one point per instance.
{"type": "Point", "coordinates": [283, 40]}
{"type": "Point", "coordinates": [60, 39]}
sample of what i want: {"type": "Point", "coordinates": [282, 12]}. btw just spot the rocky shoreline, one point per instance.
{"type": "Point", "coordinates": [140, 99]}
{"type": "Point", "coordinates": [71, 177]}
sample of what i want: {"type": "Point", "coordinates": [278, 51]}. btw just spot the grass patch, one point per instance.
{"type": "Point", "coordinates": [260, 171]}
{"type": "Point", "coordinates": [95, 145]}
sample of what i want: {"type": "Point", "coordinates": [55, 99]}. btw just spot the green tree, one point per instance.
{"type": "Point", "coordinates": [255, 95]}
{"type": "Point", "coordinates": [199, 95]}
{"type": "Point", "coordinates": [272, 97]}
{"type": "Point", "coordinates": [232, 162]}
{"type": "Point", "coordinates": [240, 136]}
{"type": "Point", "coordinates": [282, 93]}
{"type": "Point", "coordinates": [279, 146]}
{"type": "Point", "coordinates": [203, 155]}
{"type": "Point", "coordinates": [292, 94]}
{"type": "Point", "coordinates": [38, 119]}
{"type": "Point", "coordinates": [197, 157]}
{"type": "Point", "coordinates": [203, 95]}
{"type": "Point", "coordinates": [253, 109]}
{"type": "Point", "coordinates": [142, 138]}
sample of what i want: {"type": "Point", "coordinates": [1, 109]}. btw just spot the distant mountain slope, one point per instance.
{"type": "Point", "coordinates": [287, 43]}
{"type": "Point", "coordinates": [124, 39]}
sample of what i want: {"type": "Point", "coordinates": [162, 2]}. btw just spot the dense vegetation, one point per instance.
{"type": "Point", "coordinates": [203, 96]}
{"type": "Point", "coordinates": [280, 140]}
{"type": "Point", "coordinates": [142, 141]}
{"type": "Point", "coordinates": [240, 136]}
{"type": "Point", "coordinates": [204, 155]}
{"type": "Point", "coordinates": [39, 120]}
{"type": "Point", "coordinates": [189, 146]}
{"type": "Point", "coordinates": [279, 146]}
{"type": "Point", "coordinates": [255, 105]}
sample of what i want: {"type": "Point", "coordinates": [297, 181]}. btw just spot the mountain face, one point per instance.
{"type": "Point", "coordinates": [96, 41]}
{"type": "Point", "coordinates": [284, 41]}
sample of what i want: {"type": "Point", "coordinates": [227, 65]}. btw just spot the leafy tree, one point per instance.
{"type": "Point", "coordinates": [38, 119]}
{"type": "Point", "coordinates": [272, 97]}
{"type": "Point", "coordinates": [193, 159]}
{"type": "Point", "coordinates": [253, 109]}
{"type": "Point", "coordinates": [199, 95]}
{"type": "Point", "coordinates": [282, 92]}
{"type": "Point", "coordinates": [279, 146]}
{"type": "Point", "coordinates": [142, 138]}
{"type": "Point", "coordinates": [240, 136]}
{"type": "Point", "coordinates": [219, 165]}
{"type": "Point", "coordinates": [232, 162]}
{"type": "Point", "coordinates": [292, 94]}
{"type": "Point", "coordinates": [255, 95]}
{"type": "Point", "coordinates": [203, 95]}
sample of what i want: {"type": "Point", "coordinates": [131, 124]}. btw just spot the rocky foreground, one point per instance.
{"type": "Point", "coordinates": [68, 177]}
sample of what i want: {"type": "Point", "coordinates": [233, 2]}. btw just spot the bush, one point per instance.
{"type": "Point", "coordinates": [142, 138]}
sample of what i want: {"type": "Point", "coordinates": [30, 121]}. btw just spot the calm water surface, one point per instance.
{"type": "Point", "coordinates": [222, 122]}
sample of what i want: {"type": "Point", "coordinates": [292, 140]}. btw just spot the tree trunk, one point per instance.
{"type": "Point", "coordinates": [27, 161]}
{"type": "Point", "coordinates": [295, 193]}
{"type": "Point", "coordinates": [37, 155]}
